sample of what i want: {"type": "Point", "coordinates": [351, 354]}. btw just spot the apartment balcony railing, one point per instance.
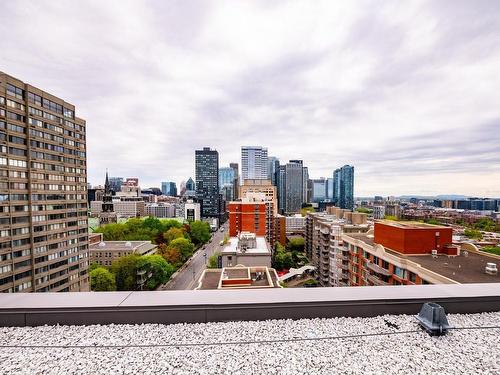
{"type": "Point", "coordinates": [376, 268]}
{"type": "Point", "coordinates": [376, 281]}
{"type": "Point", "coordinates": [32, 309]}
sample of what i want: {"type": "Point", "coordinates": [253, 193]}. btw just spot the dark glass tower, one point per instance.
{"type": "Point", "coordinates": [207, 181]}
{"type": "Point", "coordinates": [343, 187]}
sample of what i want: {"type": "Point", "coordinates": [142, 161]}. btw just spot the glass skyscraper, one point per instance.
{"type": "Point", "coordinates": [254, 163]}
{"type": "Point", "coordinates": [207, 181]}
{"type": "Point", "coordinates": [343, 187]}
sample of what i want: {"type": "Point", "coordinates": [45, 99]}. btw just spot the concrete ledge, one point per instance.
{"type": "Point", "coordinates": [167, 307]}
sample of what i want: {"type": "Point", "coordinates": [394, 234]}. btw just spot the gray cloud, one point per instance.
{"type": "Point", "coordinates": [405, 92]}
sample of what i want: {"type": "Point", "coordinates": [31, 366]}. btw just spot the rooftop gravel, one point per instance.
{"type": "Point", "coordinates": [468, 351]}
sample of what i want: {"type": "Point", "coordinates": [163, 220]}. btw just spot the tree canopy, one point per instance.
{"type": "Point", "coordinates": [125, 269]}
{"type": "Point", "coordinates": [159, 269]}
{"type": "Point", "coordinates": [199, 232]}
{"type": "Point", "coordinates": [101, 280]}
{"type": "Point", "coordinates": [213, 260]}
{"type": "Point", "coordinates": [296, 244]}
{"type": "Point", "coordinates": [184, 246]}
{"type": "Point", "coordinates": [473, 233]}
{"type": "Point", "coordinates": [282, 259]}
{"type": "Point", "coordinates": [173, 233]}
{"type": "Point", "coordinates": [305, 210]}
{"type": "Point", "coordinates": [150, 228]}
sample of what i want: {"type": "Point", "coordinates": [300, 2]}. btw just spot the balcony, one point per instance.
{"type": "Point", "coordinates": [376, 268]}
{"type": "Point", "coordinates": [376, 281]}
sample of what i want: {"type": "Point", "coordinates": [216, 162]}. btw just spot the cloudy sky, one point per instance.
{"type": "Point", "coordinates": [407, 92]}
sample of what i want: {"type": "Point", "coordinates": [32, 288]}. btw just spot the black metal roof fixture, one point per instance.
{"type": "Point", "coordinates": [433, 319]}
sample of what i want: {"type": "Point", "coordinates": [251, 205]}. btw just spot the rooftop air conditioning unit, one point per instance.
{"type": "Point", "coordinates": [491, 269]}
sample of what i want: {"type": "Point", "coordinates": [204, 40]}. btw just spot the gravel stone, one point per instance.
{"type": "Point", "coordinates": [459, 352]}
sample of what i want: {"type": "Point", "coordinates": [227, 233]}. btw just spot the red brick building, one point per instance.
{"type": "Point", "coordinates": [247, 217]}
{"type": "Point", "coordinates": [412, 238]}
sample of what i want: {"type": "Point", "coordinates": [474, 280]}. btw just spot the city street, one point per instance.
{"type": "Point", "coordinates": [188, 277]}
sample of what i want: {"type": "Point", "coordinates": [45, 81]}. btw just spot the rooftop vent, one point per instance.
{"type": "Point", "coordinates": [433, 319]}
{"type": "Point", "coordinates": [102, 244]}
{"type": "Point", "coordinates": [491, 269]}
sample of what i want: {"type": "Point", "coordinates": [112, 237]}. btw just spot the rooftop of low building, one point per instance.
{"type": "Point", "coordinates": [409, 224]}
{"type": "Point", "coordinates": [136, 246]}
{"type": "Point", "coordinates": [257, 277]}
{"type": "Point", "coordinates": [261, 248]}
{"type": "Point", "coordinates": [468, 267]}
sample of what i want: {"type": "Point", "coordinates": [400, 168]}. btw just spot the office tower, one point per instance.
{"type": "Point", "coordinates": [226, 176]}
{"type": "Point", "coordinates": [294, 187]}
{"type": "Point", "coordinates": [343, 187]}
{"type": "Point", "coordinates": [254, 162]}
{"type": "Point", "coordinates": [226, 183]}
{"type": "Point", "coordinates": [306, 186]}
{"type": "Point", "coordinates": [43, 192]}
{"type": "Point", "coordinates": [329, 189]}
{"type": "Point", "coordinates": [273, 170]}
{"type": "Point", "coordinates": [236, 183]}
{"type": "Point", "coordinates": [190, 185]}
{"type": "Point", "coordinates": [207, 181]}
{"type": "Point", "coordinates": [169, 188]}
{"type": "Point", "coordinates": [115, 184]}
{"type": "Point", "coordinates": [319, 189]}
{"type": "Point", "coordinates": [281, 188]}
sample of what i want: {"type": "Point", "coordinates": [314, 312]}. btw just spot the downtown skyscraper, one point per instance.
{"type": "Point", "coordinates": [207, 181]}
{"type": "Point", "coordinates": [43, 192]}
{"type": "Point", "coordinates": [254, 163]}
{"type": "Point", "coordinates": [291, 187]}
{"type": "Point", "coordinates": [343, 187]}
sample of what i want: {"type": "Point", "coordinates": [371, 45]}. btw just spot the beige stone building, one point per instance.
{"type": "Point", "coordinates": [105, 252]}
{"type": "Point", "coordinates": [43, 192]}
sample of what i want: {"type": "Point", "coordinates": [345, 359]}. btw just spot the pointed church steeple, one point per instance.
{"type": "Point", "coordinates": [107, 186]}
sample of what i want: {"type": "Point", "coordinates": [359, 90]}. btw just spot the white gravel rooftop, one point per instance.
{"type": "Point", "coordinates": [468, 351]}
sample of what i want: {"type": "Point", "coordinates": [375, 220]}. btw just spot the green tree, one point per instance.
{"type": "Point", "coordinates": [389, 217]}
{"type": "Point", "coordinates": [112, 232]}
{"type": "Point", "coordinates": [213, 260]}
{"type": "Point", "coordinates": [296, 244]}
{"type": "Point", "coordinates": [364, 210]}
{"type": "Point", "coordinates": [492, 249]}
{"type": "Point", "coordinates": [125, 270]}
{"type": "Point", "coordinates": [473, 233]}
{"type": "Point", "coordinates": [432, 221]}
{"type": "Point", "coordinates": [485, 224]}
{"type": "Point", "coordinates": [199, 232]}
{"type": "Point", "coordinates": [101, 280]}
{"type": "Point", "coordinates": [158, 269]}
{"type": "Point", "coordinates": [170, 223]}
{"type": "Point", "coordinates": [282, 259]}
{"type": "Point", "coordinates": [93, 266]}
{"type": "Point", "coordinates": [172, 234]}
{"type": "Point", "coordinates": [171, 254]}
{"type": "Point", "coordinates": [184, 246]}
{"type": "Point", "coordinates": [305, 210]}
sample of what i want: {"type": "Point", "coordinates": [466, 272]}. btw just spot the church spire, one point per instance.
{"type": "Point", "coordinates": [107, 187]}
